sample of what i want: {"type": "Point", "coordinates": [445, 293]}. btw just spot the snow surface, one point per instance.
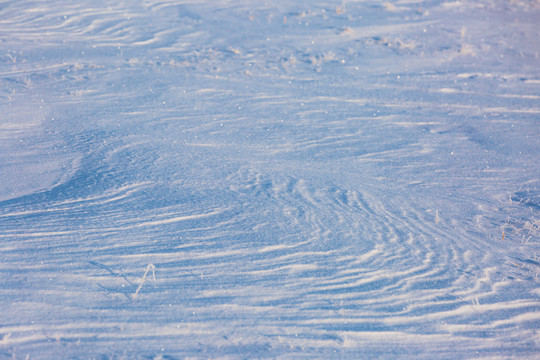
{"type": "Point", "coordinates": [269, 179]}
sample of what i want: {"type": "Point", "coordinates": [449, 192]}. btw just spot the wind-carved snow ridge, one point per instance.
{"type": "Point", "coordinates": [219, 179]}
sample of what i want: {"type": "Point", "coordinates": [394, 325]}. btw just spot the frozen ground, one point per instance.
{"type": "Point", "coordinates": [269, 179]}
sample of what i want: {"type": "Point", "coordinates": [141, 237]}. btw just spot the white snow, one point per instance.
{"type": "Point", "coordinates": [255, 179]}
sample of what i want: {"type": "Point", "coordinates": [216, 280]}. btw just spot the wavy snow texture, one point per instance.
{"type": "Point", "coordinates": [304, 180]}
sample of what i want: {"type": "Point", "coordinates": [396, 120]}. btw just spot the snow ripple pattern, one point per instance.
{"type": "Point", "coordinates": [223, 179]}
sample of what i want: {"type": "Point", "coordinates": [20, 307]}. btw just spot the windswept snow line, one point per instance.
{"type": "Point", "coordinates": [456, 314]}
{"type": "Point", "coordinates": [171, 220]}
{"type": "Point", "coordinates": [14, 335]}
{"type": "Point", "coordinates": [175, 219]}
{"type": "Point", "coordinates": [120, 193]}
